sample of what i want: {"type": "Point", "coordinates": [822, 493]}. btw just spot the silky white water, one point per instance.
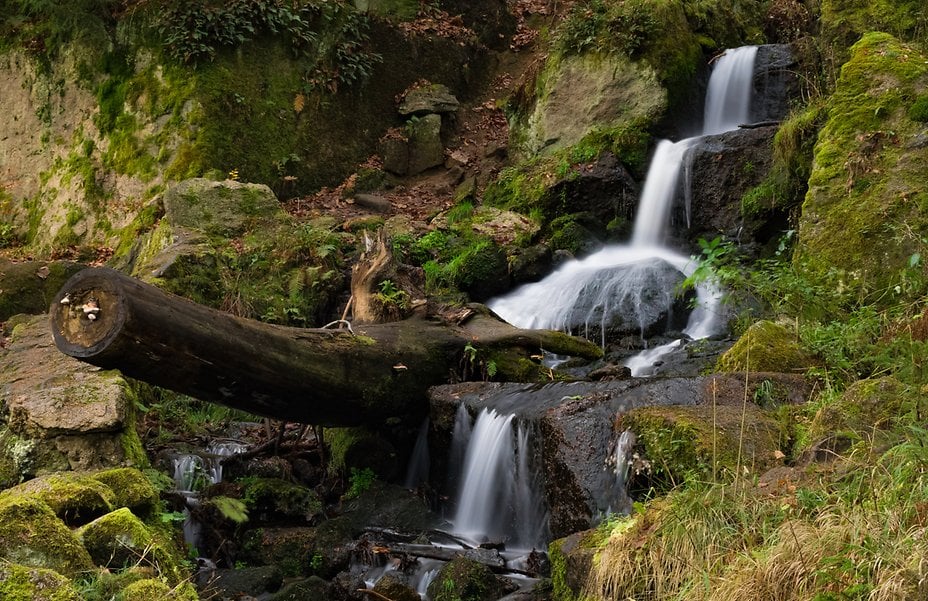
{"type": "Point", "coordinates": [499, 496]}
{"type": "Point", "coordinates": [624, 285]}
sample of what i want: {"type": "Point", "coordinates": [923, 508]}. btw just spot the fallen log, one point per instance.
{"type": "Point", "coordinates": [319, 376]}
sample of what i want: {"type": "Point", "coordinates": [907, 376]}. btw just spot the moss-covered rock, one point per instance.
{"type": "Point", "coordinates": [119, 540]}
{"type": "Point", "coordinates": [131, 488]}
{"type": "Point", "coordinates": [291, 549]}
{"type": "Point", "coordinates": [29, 287]}
{"type": "Point", "coordinates": [21, 583]}
{"type": "Point", "coordinates": [572, 559]}
{"type": "Point", "coordinates": [766, 347]}
{"type": "Point", "coordinates": [463, 579]}
{"type": "Point", "coordinates": [579, 93]}
{"type": "Point", "coordinates": [32, 535]}
{"type": "Point", "coordinates": [75, 498]}
{"type": "Point", "coordinates": [704, 442]}
{"type": "Point", "coordinates": [152, 589]}
{"type": "Point", "coordinates": [866, 411]}
{"type": "Point", "coordinates": [271, 499]}
{"type": "Point", "coordinates": [360, 448]}
{"type": "Point", "coordinates": [868, 177]}
{"type": "Point", "coordinates": [844, 21]}
{"type": "Point", "coordinates": [226, 208]}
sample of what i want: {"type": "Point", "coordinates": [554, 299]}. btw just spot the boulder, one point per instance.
{"type": "Point", "coordinates": [603, 188]}
{"type": "Point", "coordinates": [62, 413]}
{"type": "Point", "coordinates": [75, 498]}
{"type": "Point", "coordinates": [227, 207]}
{"type": "Point", "coordinates": [242, 583]}
{"type": "Point", "coordinates": [766, 347]}
{"type": "Point", "coordinates": [463, 578]}
{"type": "Point", "coordinates": [425, 146]}
{"type": "Point", "coordinates": [29, 286]}
{"type": "Point", "coordinates": [21, 583]}
{"type": "Point", "coordinates": [427, 99]}
{"type": "Point", "coordinates": [31, 535]}
{"type": "Point", "coordinates": [868, 172]}
{"type": "Point", "coordinates": [776, 82]}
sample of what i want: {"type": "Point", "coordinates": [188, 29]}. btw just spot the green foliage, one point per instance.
{"type": "Point", "coordinates": [44, 26]}
{"type": "Point", "coordinates": [9, 237]}
{"type": "Point", "coordinates": [330, 36]}
{"type": "Point", "coordinates": [391, 297]}
{"type": "Point", "coordinates": [231, 509]}
{"type": "Point", "coordinates": [600, 26]}
{"type": "Point", "coordinates": [359, 482]}
{"type": "Point", "coordinates": [919, 109]}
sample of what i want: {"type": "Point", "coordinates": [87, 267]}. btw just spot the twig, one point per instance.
{"type": "Point", "coordinates": [368, 591]}
{"type": "Point", "coordinates": [344, 322]}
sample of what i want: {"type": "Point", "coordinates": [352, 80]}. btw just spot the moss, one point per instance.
{"type": "Point", "coordinates": [360, 448]}
{"type": "Point", "coordinates": [868, 410]}
{"type": "Point", "coordinates": [21, 583]}
{"type": "Point", "coordinates": [120, 539]}
{"type": "Point", "coordinates": [265, 497]}
{"type": "Point", "coordinates": [152, 589]}
{"type": "Point", "coordinates": [31, 535]}
{"type": "Point", "coordinates": [131, 488]}
{"type": "Point", "coordinates": [75, 498]}
{"type": "Point", "coordinates": [703, 443]}
{"type": "Point", "coordinates": [464, 579]}
{"type": "Point", "coordinates": [868, 178]}
{"type": "Point", "coordinates": [844, 21]}
{"type": "Point", "coordinates": [766, 346]}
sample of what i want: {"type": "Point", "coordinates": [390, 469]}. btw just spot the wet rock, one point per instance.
{"type": "Point", "coordinates": [237, 583]}
{"type": "Point", "coordinates": [530, 264]}
{"type": "Point", "coordinates": [776, 82]}
{"type": "Point", "coordinates": [463, 578]}
{"type": "Point", "coordinates": [610, 371]}
{"type": "Point", "coordinates": [29, 286]}
{"type": "Point", "coordinates": [578, 427]}
{"type": "Point", "coordinates": [603, 188]}
{"type": "Point", "coordinates": [724, 167]}
{"type": "Point", "coordinates": [290, 549]}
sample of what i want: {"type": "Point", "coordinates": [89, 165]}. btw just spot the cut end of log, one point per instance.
{"type": "Point", "coordinates": [85, 315]}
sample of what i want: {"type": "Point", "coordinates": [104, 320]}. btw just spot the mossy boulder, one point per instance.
{"type": "Point", "coordinates": [226, 208]}
{"type": "Point", "coordinates": [766, 347]}
{"type": "Point", "coordinates": [75, 498]}
{"type": "Point", "coordinates": [867, 410]}
{"type": "Point", "coordinates": [152, 589]}
{"type": "Point", "coordinates": [131, 488]}
{"type": "Point", "coordinates": [844, 21]}
{"type": "Point", "coordinates": [30, 286]}
{"type": "Point", "coordinates": [360, 448]}
{"type": "Point", "coordinates": [120, 540]}
{"type": "Point", "coordinates": [704, 442]}
{"type": "Point", "coordinates": [63, 413]}
{"type": "Point", "coordinates": [868, 177]}
{"type": "Point", "coordinates": [463, 579]}
{"type": "Point", "coordinates": [292, 549]}
{"type": "Point", "coordinates": [273, 499]}
{"type": "Point", "coordinates": [579, 93]}
{"type": "Point", "coordinates": [392, 587]}
{"type": "Point", "coordinates": [32, 535]}
{"type": "Point", "coordinates": [313, 588]}
{"type": "Point", "coordinates": [572, 559]}
{"type": "Point", "coordinates": [21, 583]}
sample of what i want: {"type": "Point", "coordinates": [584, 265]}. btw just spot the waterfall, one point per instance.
{"type": "Point", "coordinates": [418, 470]}
{"type": "Point", "coordinates": [627, 284]}
{"type": "Point", "coordinates": [193, 473]}
{"type": "Point", "coordinates": [500, 495]}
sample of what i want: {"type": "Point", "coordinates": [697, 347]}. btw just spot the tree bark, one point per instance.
{"type": "Point", "coordinates": [319, 376]}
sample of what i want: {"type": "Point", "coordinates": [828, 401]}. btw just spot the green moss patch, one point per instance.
{"type": "Point", "coordinates": [75, 498]}
{"type": "Point", "coordinates": [766, 347]}
{"type": "Point", "coordinates": [21, 583]}
{"type": "Point", "coordinates": [868, 180]}
{"type": "Point", "coordinates": [32, 535]}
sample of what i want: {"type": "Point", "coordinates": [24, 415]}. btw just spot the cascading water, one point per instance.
{"type": "Point", "coordinates": [193, 473]}
{"type": "Point", "coordinates": [624, 285]}
{"type": "Point", "coordinates": [500, 496]}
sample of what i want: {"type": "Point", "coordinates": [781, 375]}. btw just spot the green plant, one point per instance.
{"type": "Point", "coordinates": [359, 481]}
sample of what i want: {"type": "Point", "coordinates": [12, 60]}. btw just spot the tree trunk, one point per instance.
{"type": "Point", "coordinates": [319, 376]}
